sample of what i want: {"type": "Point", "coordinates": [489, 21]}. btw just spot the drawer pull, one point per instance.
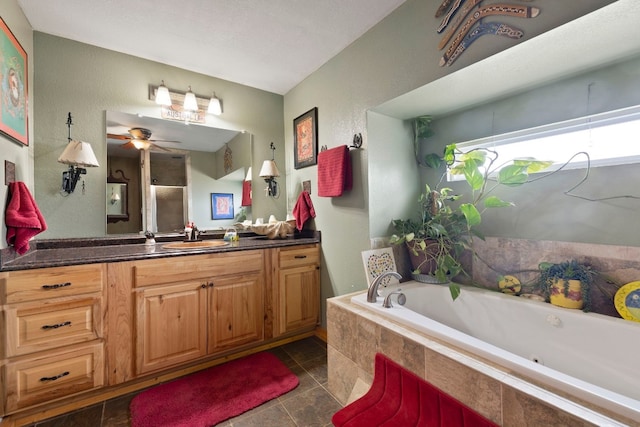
{"type": "Point", "coordinates": [56, 286]}
{"type": "Point", "coordinates": [300, 256]}
{"type": "Point", "coordinates": [45, 379]}
{"type": "Point", "coordinates": [203, 286]}
{"type": "Point", "coordinates": [58, 325]}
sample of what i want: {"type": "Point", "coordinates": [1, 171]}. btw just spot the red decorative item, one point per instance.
{"type": "Point", "coordinates": [398, 397]}
{"type": "Point", "coordinates": [23, 218]}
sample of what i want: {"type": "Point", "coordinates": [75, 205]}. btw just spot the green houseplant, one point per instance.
{"type": "Point", "coordinates": [447, 223]}
{"type": "Point", "coordinates": [567, 284]}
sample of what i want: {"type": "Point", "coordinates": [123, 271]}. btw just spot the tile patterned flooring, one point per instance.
{"type": "Point", "coordinates": [308, 405]}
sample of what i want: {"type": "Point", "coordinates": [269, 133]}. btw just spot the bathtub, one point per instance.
{"type": "Point", "coordinates": [589, 356]}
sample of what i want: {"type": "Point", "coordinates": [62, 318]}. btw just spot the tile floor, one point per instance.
{"type": "Point", "coordinates": [308, 405]}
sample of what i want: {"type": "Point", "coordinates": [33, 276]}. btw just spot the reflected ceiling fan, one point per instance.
{"type": "Point", "coordinates": [139, 138]}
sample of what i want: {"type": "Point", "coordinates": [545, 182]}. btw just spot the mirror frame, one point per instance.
{"type": "Point", "coordinates": [122, 183]}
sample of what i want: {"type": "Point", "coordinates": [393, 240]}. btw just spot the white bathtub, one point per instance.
{"type": "Point", "coordinates": [587, 355]}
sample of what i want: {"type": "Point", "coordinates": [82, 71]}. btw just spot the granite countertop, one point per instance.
{"type": "Point", "coordinates": [63, 252]}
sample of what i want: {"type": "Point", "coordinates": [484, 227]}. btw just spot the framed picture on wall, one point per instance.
{"type": "Point", "coordinates": [221, 206]}
{"type": "Point", "coordinates": [305, 139]}
{"type": "Point", "coordinates": [13, 87]}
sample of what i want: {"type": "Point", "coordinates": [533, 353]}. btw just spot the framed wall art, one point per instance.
{"type": "Point", "coordinates": [221, 206]}
{"type": "Point", "coordinates": [305, 139]}
{"type": "Point", "coordinates": [13, 87]}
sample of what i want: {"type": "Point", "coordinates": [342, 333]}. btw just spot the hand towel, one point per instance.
{"type": "Point", "coordinates": [303, 210]}
{"type": "Point", "coordinates": [334, 172]}
{"type": "Point", "coordinates": [22, 217]}
{"type": "Point", "coordinates": [246, 193]}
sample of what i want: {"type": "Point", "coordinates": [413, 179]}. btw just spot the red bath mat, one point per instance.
{"type": "Point", "coordinates": [213, 395]}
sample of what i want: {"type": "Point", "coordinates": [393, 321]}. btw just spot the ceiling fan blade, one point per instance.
{"type": "Point", "coordinates": [164, 140]}
{"type": "Point", "coordinates": [128, 145]}
{"type": "Point", "coordinates": [121, 137]}
{"type": "Point", "coordinates": [155, 147]}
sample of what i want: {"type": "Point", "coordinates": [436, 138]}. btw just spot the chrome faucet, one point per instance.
{"type": "Point", "coordinates": [402, 298]}
{"type": "Point", "coordinates": [372, 294]}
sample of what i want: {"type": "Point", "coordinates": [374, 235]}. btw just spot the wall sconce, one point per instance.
{"type": "Point", "coordinates": [189, 101]}
{"type": "Point", "coordinates": [269, 172]}
{"type": "Point", "coordinates": [76, 153]}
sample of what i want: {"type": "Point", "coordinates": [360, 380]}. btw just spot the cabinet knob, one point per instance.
{"type": "Point", "coordinates": [211, 284]}
{"type": "Point", "coordinates": [203, 286]}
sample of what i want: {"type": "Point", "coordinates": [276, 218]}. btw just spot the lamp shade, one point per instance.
{"type": "Point", "coordinates": [269, 169]}
{"type": "Point", "coordinates": [141, 144]}
{"type": "Point", "coordinates": [215, 107]}
{"type": "Point", "coordinates": [78, 153]}
{"type": "Point", "coordinates": [249, 172]}
{"type": "Point", "coordinates": [190, 102]}
{"type": "Point", "coordinates": [162, 95]}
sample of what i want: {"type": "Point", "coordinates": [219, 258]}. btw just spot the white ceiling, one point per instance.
{"type": "Point", "coordinates": [267, 44]}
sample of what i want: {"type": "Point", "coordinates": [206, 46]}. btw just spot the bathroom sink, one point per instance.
{"type": "Point", "coordinates": [196, 244]}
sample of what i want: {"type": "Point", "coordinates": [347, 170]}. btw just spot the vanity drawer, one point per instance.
{"type": "Point", "coordinates": [32, 327]}
{"type": "Point", "coordinates": [52, 375]}
{"type": "Point", "coordinates": [185, 268]}
{"type": "Point", "coordinates": [44, 283]}
{"type": "Point", "coordinates": [298, 256]}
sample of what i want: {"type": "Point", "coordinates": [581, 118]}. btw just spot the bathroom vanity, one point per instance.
{"type": "Point", "coordinates": [81, 324]}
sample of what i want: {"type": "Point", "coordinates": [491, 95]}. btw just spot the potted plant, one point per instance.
{"type": "Point", "coordinates": [567, 284]}
{"type": "Point", "coordinates": [447, 224]}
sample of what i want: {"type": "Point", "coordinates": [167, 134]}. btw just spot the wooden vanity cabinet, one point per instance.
{"type": "Point", "coordinates": [52, 333]}
{"type": "Point", "coordinates": [297, 288]}
{"type": "Point", "coordinates": [190, 307]}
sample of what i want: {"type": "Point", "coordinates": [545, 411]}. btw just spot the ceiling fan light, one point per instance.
{"type": "Point", "coordinates": [190, 102]}
{"type": "Point", "coordinates": [140, 144]}
{"type": "Point", "coordinates": [162, 95]}
{"type": "Point", "coordinates": [215, 107]}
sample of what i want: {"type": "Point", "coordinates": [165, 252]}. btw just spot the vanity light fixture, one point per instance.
{"type": "Point", "coordinates": [269, 172]}
{"type": "Point", "coordinates": [189, 100]}
{"type": "Point", "coordinates": [215, 107]}
{"type": "Point", "coordinates": [76, 153]}
{"type": "Point", "coordinates": [162, 95]}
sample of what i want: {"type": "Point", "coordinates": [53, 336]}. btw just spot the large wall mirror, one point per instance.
{"type": "Point", "coordinates": [172, 169]}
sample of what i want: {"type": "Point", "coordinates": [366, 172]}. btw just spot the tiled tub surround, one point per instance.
{"type": "Point", "coordinates": [356, 333]}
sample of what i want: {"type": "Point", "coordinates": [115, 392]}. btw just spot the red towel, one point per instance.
{"type": "Point", "coordinates": [398, 397]}
{"type": "Point", "coordinates": [303, 210]}
{"type": "Point", "coordinates": [23, 218]}
{"type": "Point", "coordinates": [334, 172]}
{"type": "Point", "coordinates": [246, 193]}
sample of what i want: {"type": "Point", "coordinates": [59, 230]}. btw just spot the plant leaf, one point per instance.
{"type": "Point", "coordinates": [433, 160]}
{"type": "Point", "coordinates": [473, 175]}
{"type": "Point", "coordinates": [513, 175]}
{"type": "Point", "coordinates": [454, 289]}
{"type": "Point", "coordinates": [471, 214]}
{"type": "Point", "coordinates": [495, 202]}
{"type": "Point", "coordinates": [449, 154]}
{"type": "Point", "coordinates": [475, 157]}
{"type": "Point", "coordinates": [532, 164]}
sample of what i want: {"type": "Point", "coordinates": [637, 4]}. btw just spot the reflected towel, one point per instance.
{"type": "Point", "coordinates": [22, 217]}
{"type": "Point", "coordinates": [303, 210]}
{"type": "Point", "coordinates": [334, 172]}
{"type": "Point", "coordinates": [246, 193]}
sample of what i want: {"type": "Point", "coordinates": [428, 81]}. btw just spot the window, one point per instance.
{"type": "Point", "coordinates": [610, 138]}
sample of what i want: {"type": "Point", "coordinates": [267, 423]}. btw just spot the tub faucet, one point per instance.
{"type": "Point", "coordinates": [402, 299]}
{"type": "Point", "coordinates": [372, 294]}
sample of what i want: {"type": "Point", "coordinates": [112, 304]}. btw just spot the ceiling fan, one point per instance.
{"type": "Point", "coordinates": [139, 138]}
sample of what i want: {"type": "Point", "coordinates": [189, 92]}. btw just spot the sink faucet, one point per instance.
{"type": "Point", "coordinates": [372, 294]}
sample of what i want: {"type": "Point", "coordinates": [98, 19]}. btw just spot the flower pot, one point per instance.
{"type": "Point", "coordinates": [573, 299]}
{"type": "Point", "coordinates": [423, 260]}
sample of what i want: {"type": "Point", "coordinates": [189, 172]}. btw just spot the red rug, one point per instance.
{"type": "Point", "coordinates": [213, 395]}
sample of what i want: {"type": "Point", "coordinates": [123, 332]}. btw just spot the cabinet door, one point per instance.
{"type": "Point", "coordinates": [171, 325]}
{"type": "Point", "coordinates": [299, 297]}
{"type": "Point", "coordinates": [236, 313]}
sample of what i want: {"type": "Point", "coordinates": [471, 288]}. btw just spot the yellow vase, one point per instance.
{"type": "Point", "coordinates": [572, 300]}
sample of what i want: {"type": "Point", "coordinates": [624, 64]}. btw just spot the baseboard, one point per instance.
{"type": "Point", "coordinates": [321, 333]}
